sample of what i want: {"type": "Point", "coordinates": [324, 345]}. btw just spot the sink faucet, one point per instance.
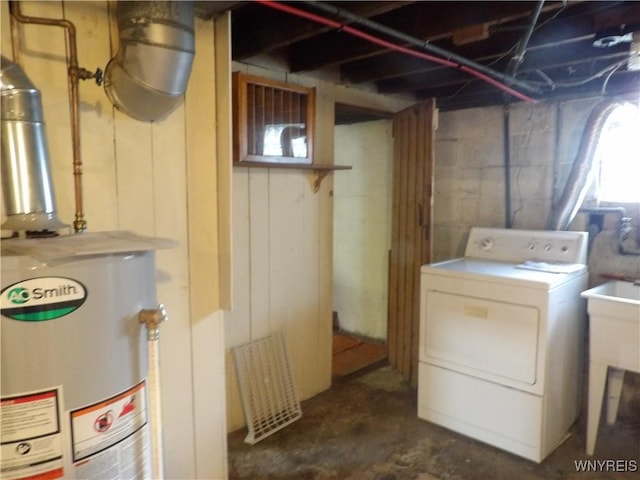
{"type": "Point", "coordinates": [625, 228]}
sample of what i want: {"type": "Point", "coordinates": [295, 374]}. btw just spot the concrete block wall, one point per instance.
{"type": "Point", "coordinates": [469, 182]}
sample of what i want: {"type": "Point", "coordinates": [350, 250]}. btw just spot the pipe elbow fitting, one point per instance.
{"type": "Point", "coordinates": [149, 74]}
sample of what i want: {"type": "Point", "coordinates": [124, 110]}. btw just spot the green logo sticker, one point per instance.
{"type": "Point", "coordinates": [43, 298]}
{"type": "Point", "coordinates": [18, 296]}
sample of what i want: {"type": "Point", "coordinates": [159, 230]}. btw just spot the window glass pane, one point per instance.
{"type": "Point", "coordinates": [276, 122]}
{"type": "Point", "coordinates": [285, 140]}
{"type": "Point", "coordinates": [619, 155]}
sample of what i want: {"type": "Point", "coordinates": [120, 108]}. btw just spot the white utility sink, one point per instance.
{"type": "Point", "coordinates": [615, 299]}
{"type": "Point", "coordinates": [614, 346]}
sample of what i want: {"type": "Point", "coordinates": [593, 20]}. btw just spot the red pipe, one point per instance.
{"type": "Point", "coordinates": [399, 48]}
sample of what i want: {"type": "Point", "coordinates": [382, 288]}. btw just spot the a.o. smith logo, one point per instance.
{"type": "Point", "coordinates": [43, 298]}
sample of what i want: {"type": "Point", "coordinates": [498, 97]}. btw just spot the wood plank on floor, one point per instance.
{"type": "Point", "coordinates": [352, 354]}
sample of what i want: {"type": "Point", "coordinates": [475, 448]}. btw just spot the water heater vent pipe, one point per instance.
{"type": "Point", "coordinates": [75, 74]}
{"type": "Point", "coordinates": [27, 188]}
{"type": "Point", "coordinates": [148, 76]}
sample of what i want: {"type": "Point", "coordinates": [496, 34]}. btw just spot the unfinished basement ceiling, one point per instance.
{"type": "Point", "coordinates": [573, 49]}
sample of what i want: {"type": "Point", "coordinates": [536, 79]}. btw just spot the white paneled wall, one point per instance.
{"type": "Point", "coordinates": [282, 265]}
{"type": "Point", "coordinates": [283, 251]}
{"type": "Point", "coordinates": [280, 283]}
{"type": "Point", "coordinates": [166, 179]}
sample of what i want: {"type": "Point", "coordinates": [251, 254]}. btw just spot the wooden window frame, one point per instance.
{"type": "Point", "coordinates": [241, 132]}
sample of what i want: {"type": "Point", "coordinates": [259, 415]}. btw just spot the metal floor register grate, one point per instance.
{"type": "Point", "coordinates": [268, 394]}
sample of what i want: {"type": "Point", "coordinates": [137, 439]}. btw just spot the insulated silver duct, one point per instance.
{"type": "Point", "coordinates": [148, 76]}
{"type": "Point", "coordinates": [26, 178]}
{"type": "Point", "coordinates": [582, 171]}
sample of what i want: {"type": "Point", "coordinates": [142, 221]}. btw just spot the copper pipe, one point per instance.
{"type": "Point", "coordinates": [74, 75]}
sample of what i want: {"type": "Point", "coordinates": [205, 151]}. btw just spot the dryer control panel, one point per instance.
{"type": "Point", "coordinates": [517, 246]}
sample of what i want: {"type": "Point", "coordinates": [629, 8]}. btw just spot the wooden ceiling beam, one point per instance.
{"type": "Point", "coordinates": [569, 63]}
{"type": "Point", "coordinates": [425, 20]}
{"type": "Point", "coordinates": [560, 40]}
{"type": "Point", "coordinates": [560, 46]}
{"type": "Point", "coordinates": [391, 65]}
{"type": "Point", "coordinates": [476, 94]}
{"type": "Point", "coordinates": [258, 29]}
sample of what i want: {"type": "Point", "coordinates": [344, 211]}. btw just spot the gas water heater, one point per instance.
{"type": "Point", "coordinates": [74, 386]}
{"type": "Point", "coordinates": [79, 389]}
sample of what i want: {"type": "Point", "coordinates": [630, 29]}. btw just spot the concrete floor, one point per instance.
{"type": "Point", "coordinates": [366, 428]}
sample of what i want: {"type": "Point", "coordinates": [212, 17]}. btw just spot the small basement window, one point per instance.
{"type": "Point", "coordinates": [273, 121]}
{"type": "Point", "coordinates": [619, 156]}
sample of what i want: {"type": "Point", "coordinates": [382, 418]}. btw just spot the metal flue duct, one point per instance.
{"type": "Point", "coordinates": [149, 74]}
{"type": "Point", "coordinates": [582, 171]}
{"type": "Point", "coordinates": [26, 178]}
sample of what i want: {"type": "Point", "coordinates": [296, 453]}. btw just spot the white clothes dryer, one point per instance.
{"type": "Point", "coordinates": [502, 339]}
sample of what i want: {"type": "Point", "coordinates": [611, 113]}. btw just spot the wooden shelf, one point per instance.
{"type": "Point", "coordinates": [299, 166]}
{"type": "Point", "coordinates": [320, 169]}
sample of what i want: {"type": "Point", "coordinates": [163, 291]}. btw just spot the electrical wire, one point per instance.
{"type": "Point", "coordinates": [392, 46]}
{"type": "Point", "coordinates": [517, 58]}
{"type": "Point", "coordinates": [606, 81]}
{"type": "Point", "coordinates": [610, 69]}
{"type": "Point", "coordinates": [549, 82]}
{"type": "Point", "coordinates": [546, 78]}
{"type": "Point", "coordinates": [537, 27]}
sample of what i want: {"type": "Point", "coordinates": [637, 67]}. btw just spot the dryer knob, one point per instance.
{"type": "Point", "coordinates": [486, 244]}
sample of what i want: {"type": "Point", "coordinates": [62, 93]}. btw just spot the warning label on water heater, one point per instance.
{"type": "Point", "coordinates": [31, 438]}
{"type": "Point", "coordinates": [110, 439]}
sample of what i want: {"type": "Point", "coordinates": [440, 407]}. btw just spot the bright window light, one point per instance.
{"type": "Point", "coordinates": [273, 141]}
{"type": "Point", "coordinates": [619, 154]}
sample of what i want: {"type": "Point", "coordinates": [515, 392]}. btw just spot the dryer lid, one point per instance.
{"type": "Point", "coordinates": [510, 273]}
